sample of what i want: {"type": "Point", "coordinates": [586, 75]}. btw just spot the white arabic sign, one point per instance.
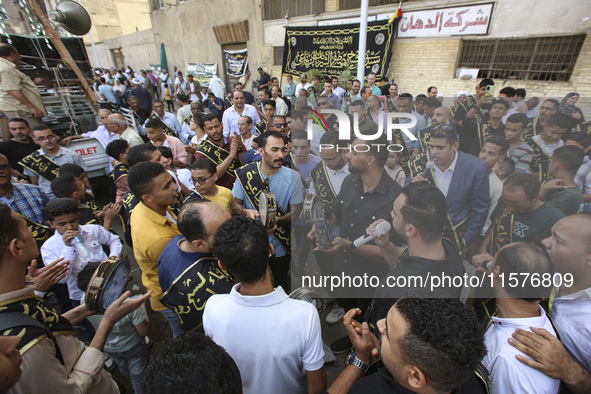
{"type": "Point", "coordinates": [469, 20]}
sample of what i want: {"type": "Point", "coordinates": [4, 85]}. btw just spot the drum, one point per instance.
{"type": "Point", "coordinates": [310, 203]}
{"type": "Point", "coordinates": [309, 295]}
{"type": "Point", "coordinates": [268, 209]}
{"type": "Point", "coordinates": [107, 283]}
{"type": "Point", "coordinates": [325, 232]}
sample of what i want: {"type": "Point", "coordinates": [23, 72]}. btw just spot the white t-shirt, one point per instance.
{"type": "Point", "coordinates": [272, 338]}
{"type": "Point", "coordinates": [508, 374]}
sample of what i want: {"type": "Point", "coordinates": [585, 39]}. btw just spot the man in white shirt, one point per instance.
{"type": "Point", "coordinates": [517, 307]}
{"type": "Point", "coordinates": [244, 129]}
{"type": "Point", "coordinates": [302, 85]}
{"type": "Point", "coordinates": [336, 89]}
{"type": "Point", "coordinates": [238, 109]}
{"type": "Point", "coordinates": [102, 133]}
{"type": "Point", "coordinates": [117, 124]}
{"type": "Point", "coordinates": [278, 347]}
{"type": "Point", "coordinates": [50, 151]}
{"type": "Point", "coordinates": [164, 79]}
{"type": "Point", "coordinates": [165, 117]}
{"type": "Point", "coordinates": [493, 151]}
{"type": "Point", "coordinates": [184, 110]}
{"type": "Point", "coordinates": [281, 107]}
{"type": "Point", "coordinates": [570, 308]}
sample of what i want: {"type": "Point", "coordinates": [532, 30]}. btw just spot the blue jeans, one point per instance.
{"type": "Point", "coordinates": [132, 363]}
{"type": "Point", "coordinates": [173, 320]}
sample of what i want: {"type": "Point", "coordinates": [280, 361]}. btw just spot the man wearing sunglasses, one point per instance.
{"type": "Point", "coordinates": [42, 166]}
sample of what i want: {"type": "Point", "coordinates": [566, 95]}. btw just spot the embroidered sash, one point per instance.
{"type": "Point", "coordinates": [217, 154]}
{"type": "Point", "coordinates": [324, 189]}
{"type": "Point", "coordinates": [251, 180]}
{"type": "Point", "coordinates": [502, 232]}
{"type": "Point", "coordinates": [188, 294]}
{"type": "Point", "coordinates": [41, 165]}
{"type": "Point", "coordinates": [167, 130]}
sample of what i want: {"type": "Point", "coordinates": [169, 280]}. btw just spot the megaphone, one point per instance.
{"type": "Point", "coordinates": [72, 17]}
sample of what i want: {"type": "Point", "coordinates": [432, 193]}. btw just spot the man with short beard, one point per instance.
{"type": "Point", "coordinates": [285, 184]}
{"type": "Point", "coordinates": [170, 124]}
{"type": "Point", "coordinates": [225, 152]}
{"type": "Point", "coordinates": [20, 145]}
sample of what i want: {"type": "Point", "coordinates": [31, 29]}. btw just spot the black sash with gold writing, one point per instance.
{"type": "Point", "coordinates": [324, 189]}
{"type": "Point", "coordinates": [89, 202]}
{"type": "Point", "coordinates": [261, 127]}
{"type": "Point", "coordinates": [187, 120]}
{"type": "Point", "coordinates": [484, 132]}
{"type": "Point", "coordinates": [217, 154]}
{"type": "Point", "coordinates": [533, 128]}
{"type": "Point", "coordinates": [423, 137]}
{"type": "Point", "coordinates": [502, 232]}
{"type": "Point", "coordinates": [188, 294]}
{"type": "Point", "coordinates": [404, 155]}
{"type": "Point", "coordinates": [40, 232]}
{"type": "Point", "coordinates": [38, 309]}
{"type": "Point", "coordinates": [119, 171]}
{"type": "Point", "coordinates": [251, 180]}
{"type": "Point", "coordinates": [167, 130]}
{"type": "Point", "coordinates": [418, 163]}
{"type": "Point", "coordinates": [540, 161]}
{"type": "Point", "coordinates": [392, 107]}
{"type": "Point", "coordinates": [468, 103]}
{"type": "Point", "coordinates": [41, 165]}
{"type": "Point", "coordinates": [585, 127]}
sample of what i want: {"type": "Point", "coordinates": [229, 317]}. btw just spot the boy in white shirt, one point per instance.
{"type": "Point", "coordinates": [62, 216]}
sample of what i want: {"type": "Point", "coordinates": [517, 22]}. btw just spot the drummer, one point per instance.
{"type": "Point", "coordinates": [285, 184]}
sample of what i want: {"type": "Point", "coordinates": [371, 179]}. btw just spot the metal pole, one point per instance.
{"type": "Point", "coordinates": [362, 41]}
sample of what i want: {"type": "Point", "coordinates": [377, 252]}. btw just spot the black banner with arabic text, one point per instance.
{"type": "Point", "coordinates": [334, 49]}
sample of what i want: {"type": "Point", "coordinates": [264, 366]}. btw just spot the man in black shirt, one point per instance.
{"type": "Point", "coordinates": [366, 195]}
{"type": "Point", "coordinates": [418, 217]}
{"type": "Point", "coordinates": [426, 346]}
{"type": "Point", "coordinates": [19, 146]}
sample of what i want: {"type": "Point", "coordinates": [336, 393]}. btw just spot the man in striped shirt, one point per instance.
{"type": "Point", "coordinates": [519, 151]}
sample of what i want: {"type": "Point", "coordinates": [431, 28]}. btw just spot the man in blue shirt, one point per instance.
{"type": "Point", "coordinates": [187, 271]}
{"type": "Point", "coordinates": [107, 91]}
{"type": "Point", "coordinates": [285, 184]}
{"type": "Point", "coordinates": [215, 104]}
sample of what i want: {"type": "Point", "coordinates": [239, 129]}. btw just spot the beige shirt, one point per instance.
{"type": "Point", "coordinates": [12, 79]}
{"type": "Point", "coordinates": [132, 137]}
{"type": "Point", "coordinates": [42, 372]}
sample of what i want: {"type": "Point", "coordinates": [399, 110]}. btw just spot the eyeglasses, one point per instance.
{"type": "Point", "coordinates": [323, 103]}
{"type": "Point", "coordinates": [201, 181]}
{"type": "Point", "coordinates": [280, 125]}
{"type": "Point", "coordinates": [4, 166]}
{"type": "Point", "coordinates": [50, 137]}
{"type": "Point", "coordinates": [331, 159]}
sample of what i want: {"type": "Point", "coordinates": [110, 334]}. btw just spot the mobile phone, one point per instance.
{"type": "Point", "coordinates": [490, 90]}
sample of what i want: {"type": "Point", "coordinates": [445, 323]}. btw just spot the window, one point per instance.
{"type": "Point", "coordinates": [353, 4]}
{"type": "Point", "coordinates": [534, 59]}
{"type": "Point", "coordinates": [277, 56]}
{"type": "Point", "coordinates": [276, 9]}
{"type": "Point", "coordinates": [157, 4]}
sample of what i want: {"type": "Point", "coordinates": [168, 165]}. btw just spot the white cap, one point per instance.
{"type": "Point", "coordinates": [136, 81]}
{"type": "Point", "coordinates": [462, 92]}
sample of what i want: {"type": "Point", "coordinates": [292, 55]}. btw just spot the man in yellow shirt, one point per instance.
{"type": "Point", "coordinates": [152, 225]}
{"type": "Point", "coordinates": [204, 177]}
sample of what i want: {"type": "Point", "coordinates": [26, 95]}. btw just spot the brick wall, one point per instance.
{"type": "Point", "coordinates": [417, 64]}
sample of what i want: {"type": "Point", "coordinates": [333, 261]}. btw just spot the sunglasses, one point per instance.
{"type": "Point", "coordinates": [279, 125]}
{"type": "Point", "coordinates": [201, 181]}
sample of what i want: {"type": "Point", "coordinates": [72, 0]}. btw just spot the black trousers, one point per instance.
{"type": "Point", "coordinates": [280, 270]}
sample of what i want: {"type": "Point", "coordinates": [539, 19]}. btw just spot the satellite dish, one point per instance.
{"type": "Point", "coordinates": [71, 17]}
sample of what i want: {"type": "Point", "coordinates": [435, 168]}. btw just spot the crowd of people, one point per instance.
{"type": "Point", "coordinates": [216, 200]}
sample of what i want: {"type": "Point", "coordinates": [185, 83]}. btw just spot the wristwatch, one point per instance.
{"type": "Point", "coordinates": [352, 359]}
